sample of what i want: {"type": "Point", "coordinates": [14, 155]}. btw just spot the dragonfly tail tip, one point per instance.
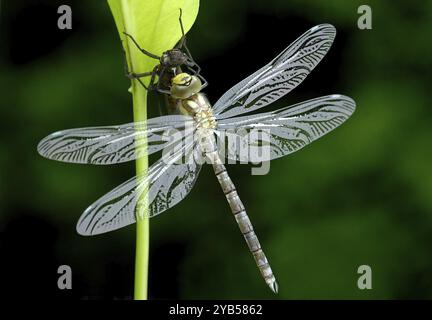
{"type": "Point", "coordinates": [274, 286]}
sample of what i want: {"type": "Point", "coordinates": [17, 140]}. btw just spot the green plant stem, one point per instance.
{"type": "Point", "coordinates": [143, 225]}
{"type": "Point", "coordinates": [141, 259]}
{"type": "Point", "coordinates": [139, 96]}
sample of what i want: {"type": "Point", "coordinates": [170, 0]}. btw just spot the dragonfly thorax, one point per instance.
{"type": "Point", "coordinates": [205, 119]}
{"type": "Point", "coordinates": [200, 109]}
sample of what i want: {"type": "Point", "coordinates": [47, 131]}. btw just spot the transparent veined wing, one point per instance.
{"type": "Point", "coordinates": [167, 182]}
{"type": "Point", "coordinates": [114, 144]}
{"type": "Point", "coordinates": [284, 131]}
{"type": "Point", "coordinates": [278, 77]}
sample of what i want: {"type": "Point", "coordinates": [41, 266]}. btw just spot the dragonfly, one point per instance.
{"type": "Point", "coordinates": [202, 127]}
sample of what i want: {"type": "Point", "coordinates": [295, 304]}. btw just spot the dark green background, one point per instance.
{"type": "Point", "coordinates": [360, 195]}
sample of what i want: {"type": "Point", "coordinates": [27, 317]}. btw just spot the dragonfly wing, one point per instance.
{"type": "Point", "coordinates": [278, 77]}
{"type": "Point", "coordinates": [168, 181]}
{"type": "Point", "coordinates": [114, 144]}
{"type": "Point", "coordinates": [275, 134]}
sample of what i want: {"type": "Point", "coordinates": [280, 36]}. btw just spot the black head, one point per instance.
{"type": "Point", "coordinates": [173, 58]}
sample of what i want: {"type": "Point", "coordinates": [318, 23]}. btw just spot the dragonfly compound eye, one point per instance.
{"type": "Point", "coordinates": [165, 59]}
{"type": "Point", "coordinates": [184, 86]}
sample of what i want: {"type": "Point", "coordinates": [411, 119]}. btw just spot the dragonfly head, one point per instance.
{"type": "Point", "coordinates": [184, 85]}
{"type": "Point", "coordinates": [173, 58]}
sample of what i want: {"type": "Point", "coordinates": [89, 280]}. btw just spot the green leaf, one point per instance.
{"type": "Point", "coordinates": [154, 24]}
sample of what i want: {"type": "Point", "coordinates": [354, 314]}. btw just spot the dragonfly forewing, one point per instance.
{"type": "Point", "coordinates": [280, 76]}
{"type": "Point", "coordinates": [114, 144]}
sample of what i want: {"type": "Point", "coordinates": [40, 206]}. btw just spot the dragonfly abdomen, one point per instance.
{"type": "Point", "coordinates": [243, 221]}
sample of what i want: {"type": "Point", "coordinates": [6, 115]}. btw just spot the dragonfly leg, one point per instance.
{"type": "Point", "coordinates": [204, 81]}
{"type": "Point", "coordinates": [133, 75]}
{"type": "Point", "coordinates": [149, 54]}
{"type": "Point", "coordinates": [182, 45]}
{"type": "Point", "coordinates": [195, 68]}
{"type": "Point", "coordinates": [152, 85]}
{"type": "Point", "coordinates": [137, 76]}
{"type": "Point", "coordinates": [182, 41]}
{"type": "Point", "coordinates": [191, 62]}
{"type": "Point", "coordinates": [163, 91]}
{"type": "Point", "coordinates": [192, 65]}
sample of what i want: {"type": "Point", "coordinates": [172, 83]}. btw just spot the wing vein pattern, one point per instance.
{"type": "Point", "coordinates": [280, 76]}
{"type": "Point", "coordinates": [167, 182]}
{"type": "Point", "coordinates": [114, 144]}
{"type": "Point", "coordinates": [283, 131]}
